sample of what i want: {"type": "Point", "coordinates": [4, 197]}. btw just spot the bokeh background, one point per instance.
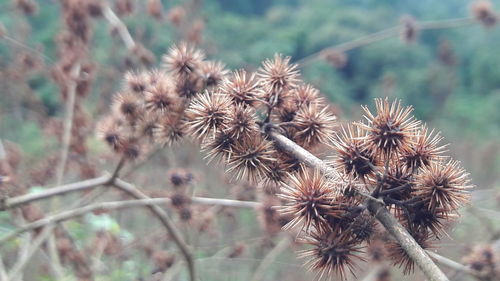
{"type": "Point", "coordinates": [451, 76]}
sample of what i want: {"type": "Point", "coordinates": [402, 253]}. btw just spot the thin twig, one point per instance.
{"type": "Point", "coordinates": [144, 201]}
{"type": "Point", "coordinates": [68, 122]}
{"type": "Point", "coordinates": [122, 29]}
{"type": "Point", "coordinates": [271, 256]}
{"type": "Point", "coordinates": [385, 34]}
{"type": "Point", "coordinates": [376, 208]}
{"type": "Point", "coordinates": [449, 263]}
{"type": "Point", "coordinates": [165, 220]}
{"type": "Point", "coordinates": [54, 191]}
{"type": "Point", "coordinates": [18, 267]}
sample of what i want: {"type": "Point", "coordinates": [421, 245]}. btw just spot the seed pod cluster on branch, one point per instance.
{"type": "Point", "coordinates": [390, 155]}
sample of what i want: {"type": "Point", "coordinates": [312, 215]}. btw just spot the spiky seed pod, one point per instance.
{"type": "Point", "coordinates": [161, 98]}
{"type": "Point", "coordinates": [308, 198]}
{"type": "Point", "coordinates": [111, 130]}
{"type": "Point", "coordinates": [162, 260]}
{"type": "Point", "coordinates": [179, 200]}
{"type": "Point", "coordinates": [169, 131]}
{"type": "Point", "coordinates": [376, 250]}
{"type": "Point", "coordinates": [314, 125]}
{"type": "Point", "coordinates": [443, 185]}
{"type": "Point", "coordinates": [241, 122]}
{"type": "Point", "coordinates": [397, 183]}
{"type": "Point", "coordinates": [183, 60]}
{"type": "Point", "coordinates": [213, 73]}
{"type": "Point", "coordinates": [336, 58]}
{"type": "Point", "coordinates": [207, 113]}
{"type": "Point", "coordinates": [286, 112]}
{"type": "Point", "coordinates": [424, 149]}
{"type": "Point", "coordinates": [483, 261]}
{"type": "Point", "coordinates": [155, 76]}
{"type": "Point", "coordinates": [189, 86]}
{"type": "Point", "coordinates": [305, 95]}
{"type": "Point", "coordinates": [391, 129]}
{"type": "Point", "coordinates": [482, 11]}
{"type": "Point", "coordinates": [363, 227]}
{"type": "Point", "coordinates": [399, 256]}
{"type": "Point", "coordinates": [277, 174]}
{"type": "Point", "coordinates": [242, 87]}
{"type": "Point", "coordinates": [131, 148]}
{"type": "Point", "coordinates": [332, 254]}
{"type": "Point", "coordinates": [423, 219]}
{"type": "Point", "coordinates": [136, 82]}
{"type": "Point", "coordinates": [353, 156]}
{"type": "Point", "coordinates": [219, 147]}
{"type": "Point", "coordinates": [176, 15]}
{"type": "Point", "coordinates": [128, 106]}
{"type": "Point", "coordinates": [146, 125]}
{"type": "Point", "coordinates": [279, 74]}
{"type": "Point", "coordinates": [250, 158]}
{"type": "Point", "coordinates": [155, 8]}
{"type": "Point", "coordinates": [409, 31]}
{"type": "Point", "coordinates": [180, 177]}
{"type": "Point", "coordinates": [269, 217]}
{"type": "Point", "coordinates": [28, 7]}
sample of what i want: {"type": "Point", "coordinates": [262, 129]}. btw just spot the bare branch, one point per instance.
{"type": "Point", "coordinates": [18, 267]}
{"type": "Point", "coordinates": [449, 263]}
{"type": "Point", "coordinates": [54, 191]}
{"type": "Point", "coordinates": [122, 29]}
{"type": "Point", "coordinates": [376, 208]}
{"type": "Point", "coordinates": [386, 34]}
{"type": "Point", "coordinates": [68, 121]}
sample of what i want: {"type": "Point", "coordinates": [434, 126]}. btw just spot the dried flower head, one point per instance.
{"type": "Point", "coordinates": [306, 95]}
{"type": "Point", "coordinates": [131, 148]}
{"type": "Point", "coordinates": [180, 177]}
{"type": "Point", "coordinates": [146, 124]}
{"type": "Point", "coordinates": [162, 98]}
{"type": "Point", "coordinates": [128, 106]}
{"type": "Point", "coordinates": [176, 15]}
{"type": "Point", "coordinates": [336, 58]}
{"type": "Point", "coordinates": [242, 122]}
{"type": "Point", "coordinates": [250, 158]}
{"type": "Point", "coordinates": [169, 131]}
{"type": "Point", "coordinates": [423, 219]}
{"type": "Point", "coordinates": [219, 147]}
{"type": "Point", "coordinates": [189, 86]}
{"type": "Point", "coordinates": [363, 227]}
{"type": "Point", "coordinates": [207, 113]}
{"type": "Point", "coordinates": [353, 157]}
{"type": "Point", "coordinates": [314, 125]}
{"type": "Point", "coordinates": [443, 185]}
{"type": "Point", "coordinates": [213, 73]}
{"type": "Point", "coordinates": [136, 82]}
{"type": "Point", "coordinates": [424, 149]}
{"type": "Point", "coordinates": [243, 88]}
{"type": "Point", "coordinates": [482, 11]}
{"type": "Point", "coordinates": [391, 129]}
{"type": "Point", "coordinates": [111, 130]}
{"type": "Point", "coordinates": [279, 74]}
{"type": "Point", "coordinates": [155, 8]}
{"type": "Point", "coordinates": [332, 254]}
{"type": "Point", "coordinates": [183, 60]}
{"type": "Point", "coordinates": [308, 198]}
{"type": "Point", "coordinates": [409, 29]}
{"type": "Point", "coordinates": [483, 261]}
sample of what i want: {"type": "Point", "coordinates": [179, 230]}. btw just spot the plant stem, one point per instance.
{"type": "Point", "coordinates": [376, 208]}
